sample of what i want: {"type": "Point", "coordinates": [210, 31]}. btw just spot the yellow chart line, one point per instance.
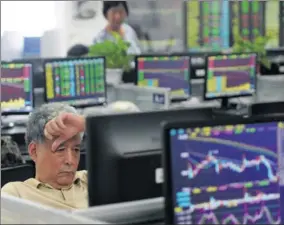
{"type": "Point", "coordinates": [231, 68]}
{"type": "Point", "coordinates": [236, 144]}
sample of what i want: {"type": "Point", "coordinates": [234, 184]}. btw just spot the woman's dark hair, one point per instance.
{"type": "Point", "coordinates": [78, 51]}
{"type": "Point", "coordinates": [10, 153]}
{"type": "Point", "coordinates": [110, 4]}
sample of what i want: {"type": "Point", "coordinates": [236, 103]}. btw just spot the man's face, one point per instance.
{"type": "Point", "coordinates": [58, 167]}
{"type": "Point", "coordinates": [116, 16]}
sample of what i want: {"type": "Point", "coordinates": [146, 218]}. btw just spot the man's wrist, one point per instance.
{"type": "Point", "coordinates": [83, 123]}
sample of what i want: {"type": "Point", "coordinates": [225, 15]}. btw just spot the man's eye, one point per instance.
{"type": "Point", "coordinates": [60, 149]}
{"type": "Point", "coordinates": [77, 149]}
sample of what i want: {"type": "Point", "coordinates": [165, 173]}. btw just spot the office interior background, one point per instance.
{"type": "Point", "coordinates": [162, 26]}
{"type": "Point", "coordinates": [178, 32]}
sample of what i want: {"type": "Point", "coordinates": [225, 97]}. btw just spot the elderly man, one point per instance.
{"type": "Point", "coordinates": [54, 134]}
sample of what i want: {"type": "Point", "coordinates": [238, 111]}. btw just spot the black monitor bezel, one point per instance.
{"type": "Point", "coordinates": [165, 55]}
{"type": "Point", "coordinates": [49, 60]}
{"type": "Point", "coordinates": [106, 154]}
{"type": "Point", "coordinates": [228, 96]}
{"type": "Point", "coordinates": [166, 150]}
{"type": "Point", "coordinates": [20, 112]}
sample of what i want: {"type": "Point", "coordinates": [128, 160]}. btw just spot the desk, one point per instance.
{"type": "Point", "coordinates": [149, 211]}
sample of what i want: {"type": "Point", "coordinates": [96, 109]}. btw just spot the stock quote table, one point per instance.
{"type": "Point", "coordinates": [207, 25]}
{"type": "Point", "coordinates": [228, 175]}
{"type": "Point", "coordinates": [75, 80]}
{"type": "Point", "coordinates": [16, 87]}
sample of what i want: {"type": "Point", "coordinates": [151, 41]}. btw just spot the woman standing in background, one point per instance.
{"type": "Point", "coordinates": [116, 12]}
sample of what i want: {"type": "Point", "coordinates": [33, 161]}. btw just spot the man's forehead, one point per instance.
{"type": "Point", "coordinates": [76, 140]}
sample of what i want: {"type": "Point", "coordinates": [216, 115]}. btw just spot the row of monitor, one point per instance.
{"type": "Point", "coordinates": [214, 170]}
{"type": "Point", "coordinates": [82, 81]}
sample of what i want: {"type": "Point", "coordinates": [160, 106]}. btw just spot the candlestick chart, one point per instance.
{"type": "Point", "coordinates": [227, 175]}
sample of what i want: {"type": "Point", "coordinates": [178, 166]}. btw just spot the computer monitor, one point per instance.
{"type": "Point", "coordinates": [230, 76]}
{"type": "Point", "coordinates": [169, 71]}
{"type": "Point", "coordinates": [124, 154]}
{"type": "Point", "coordinates": [16, 88]}
{"type": "Point", "coordinates": [267, 109]}
{"type": "Point", "coordinates": [223, 172]}
{"type": "Point", "coordinates": [77, 81]}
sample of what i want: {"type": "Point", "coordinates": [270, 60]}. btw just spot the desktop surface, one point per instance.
{"type": "Point", "coordinates": [230, 76]}
{"type": "Point", "coordinates": [16, 88]}
{"type": "Point", "coordinates": [224, 174]}
{"type": "Point", "coordinates": [79, 82]}
{"type": "Point", "coordinates": [165, 71]}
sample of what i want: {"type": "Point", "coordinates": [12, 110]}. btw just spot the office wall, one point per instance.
{"type": "Point", "coordinates": [77, 22]}
{"type": "Point", "coordinates": [81, 21]}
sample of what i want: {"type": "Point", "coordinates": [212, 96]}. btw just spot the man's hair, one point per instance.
{"type": "Point", "coordinates": [110, 4]}
{"type": "Point", "coordinates": [78, 51]}
{"type": "Point", "coordinates": [40, 116]}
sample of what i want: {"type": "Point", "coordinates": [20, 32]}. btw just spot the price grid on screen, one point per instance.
{"type": "Point", "coordinates": [207, 25]}
{"type": "Point", "coordinates": [78, 81]}
{"type": "Point", "coordinates": [16, 87]}
{"type": "Point", "coordinates": [165, 71]}
{"type": "Point", "coordinates": [227, 174]}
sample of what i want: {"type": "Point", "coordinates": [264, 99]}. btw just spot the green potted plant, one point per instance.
{"type": "Point", "coordinates": [257, 46]}
{"type": "Point", "coordinates": [117, 59]}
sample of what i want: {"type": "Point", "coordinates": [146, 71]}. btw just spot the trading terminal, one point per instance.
{"type": "Point", "coordinates": [182, 156]}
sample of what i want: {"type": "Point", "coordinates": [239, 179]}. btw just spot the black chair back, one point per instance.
{"type": "Point", "coordinates": [17, 173]}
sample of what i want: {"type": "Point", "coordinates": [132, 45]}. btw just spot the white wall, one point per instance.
{"type": "Point", "coordinates": [59, 16]}
{"type": "Point", "coordinates": [79, 31]}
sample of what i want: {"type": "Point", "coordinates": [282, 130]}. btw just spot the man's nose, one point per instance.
{"type": "Point", "coordinates": [69, 156]}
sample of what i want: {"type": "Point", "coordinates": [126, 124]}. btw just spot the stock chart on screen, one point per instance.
{"type": "Point", "coordinates": [77, 81]}
{"type": "Point", "coordinates": [227, 174]}
{"type": "Point", "coordinates": [165, 71]}
{"type": "Point", "coordinates": [230, 75]}
{"type": "Point", "coordinates": [16, 87]}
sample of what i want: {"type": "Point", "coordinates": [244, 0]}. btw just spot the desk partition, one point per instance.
{"type": "Point", "coordinates": [146, 98]}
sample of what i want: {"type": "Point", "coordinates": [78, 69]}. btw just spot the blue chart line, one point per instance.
{"type": "Point", "coordinates": [219, 165]}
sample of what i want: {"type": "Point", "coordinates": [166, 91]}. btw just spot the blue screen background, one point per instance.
{"type": "Point", "coordinates": [227, 175]}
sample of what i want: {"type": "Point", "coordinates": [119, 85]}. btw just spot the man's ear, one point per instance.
{"type": "Point", "coordinates": [32, 148]}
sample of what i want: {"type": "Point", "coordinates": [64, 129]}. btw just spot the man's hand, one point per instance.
{"type": "Point", "coordinates": [64, 127]}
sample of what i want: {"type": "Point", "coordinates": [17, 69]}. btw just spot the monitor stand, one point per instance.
{"type": "Point", "coordinates": [232, 109]}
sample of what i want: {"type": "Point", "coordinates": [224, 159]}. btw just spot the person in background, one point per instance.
{"type": "Point", "coordinates": [78, 51]}
{"type": "Point", "coordinates": [116, 12]}
{"type": "Point", "coordinates": [54, 134]}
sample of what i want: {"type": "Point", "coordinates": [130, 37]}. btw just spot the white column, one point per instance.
{"type": "Point", "coordinates": [12, 43]}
